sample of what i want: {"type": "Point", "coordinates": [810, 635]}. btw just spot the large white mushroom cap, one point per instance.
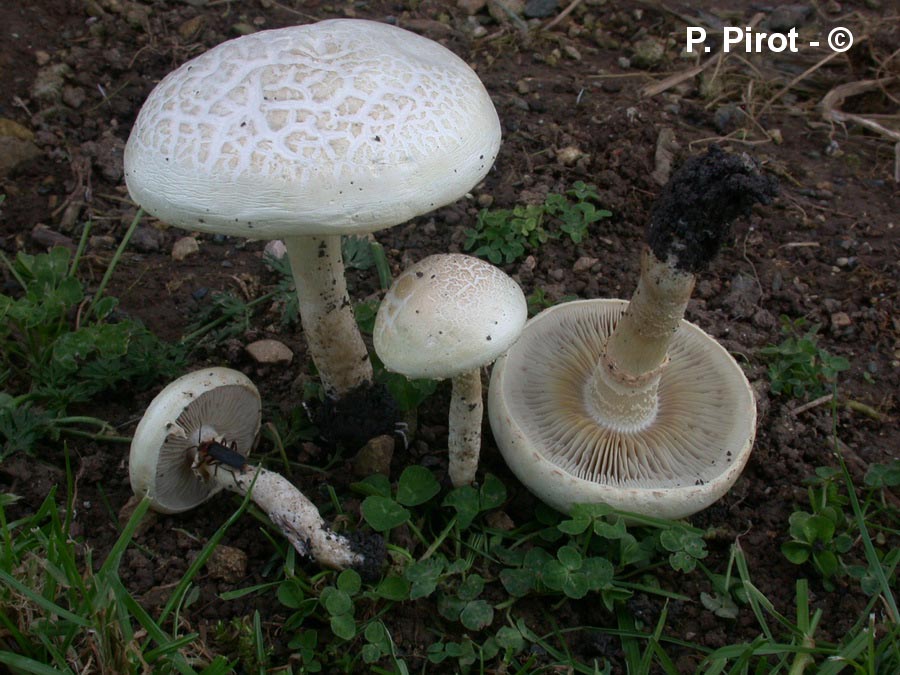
{"type": "Point", "coordinates": [685, 456]}
{"type": "Point", "coordinates": [336, 127]}
{"type": "Point", "coordinates": [448, 314]}
{"type": "Point", "coordinates": [209, 404]}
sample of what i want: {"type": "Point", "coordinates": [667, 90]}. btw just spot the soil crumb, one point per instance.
{"type": "Point", "coordinates": [361, 414]}
{"type": "Point", "coordinates": [693, 213]}
{"type": "Point", "coordinates": [373, 550]}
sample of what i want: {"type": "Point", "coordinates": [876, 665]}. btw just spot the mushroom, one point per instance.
{"type": "Point", "coordinates": [308, 133]}
{"type": "Point", "coordinates": [628, 403]}
{"type": "Point", "coordinates": [447, 316]}
{"type": "Point", "coordinates": [193, 441]}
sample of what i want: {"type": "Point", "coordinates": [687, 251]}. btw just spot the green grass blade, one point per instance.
{"type": "Point", "coordinates": [42, 602]}
{"type": "Point", "coordinates": [23, 664]}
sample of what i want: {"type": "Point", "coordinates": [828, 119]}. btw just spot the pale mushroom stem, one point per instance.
{"type": "Point", "coordinates": [290, 510]}
{"type": "Point", "coordinates": [332, 335]}
{"type": "Point", "coordinates": [624, 384]}
{"type": "Point", "coordinates": [464, 440]}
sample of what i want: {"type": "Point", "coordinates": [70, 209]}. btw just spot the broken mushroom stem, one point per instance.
{"type": "Point", "coordinates": [287, 507]}
{"type": "Point", "coordinates": [690, 221]}
{"type": "Point", "coordinates": [464, 436]}
{"type": "Point", "coordinates": [332, 335]}
{"type": "Point", "coordinates": [624, 385]}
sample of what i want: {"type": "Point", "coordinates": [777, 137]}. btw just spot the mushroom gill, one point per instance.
{"type": "Point", "coordinates": [690, 438]}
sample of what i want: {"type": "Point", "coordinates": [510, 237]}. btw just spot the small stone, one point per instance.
{"type": "Point", "coordinates": [185, 247]}
{"type": "Point", "coordinates": [541, 9]}
{"type": "Point", "coordinates": [568, 155]}
{"type": "Point", "coordinates": [503, 11]}
{"type": "Point", "coordinates": [243, 28]}
{"type": "Point", "coordinates": [842, 262]}
{"type": "Point", "coordinates": [557, 274]}
{"type": "Point", "coordinates": [48, 83]}
{"type": "Point", "coordinates": [648, 53]}
{"type": "Point", "coordinates": [374, 457]}
{"type": "Point", "coordinates": [785, 17]}
{"type": "Point", "coordinates": [270, 352]}
{"type": "Point", "coordinates": [523, 87]}
{"type": "Point", "coordinates": [572, 52]}
{"type": "Point", "coordinates": [275, 249]}
{"type": "Point", "coordinates": [624, 62]}
{"type": "Point", "coordinates": [775, 135]}
{"type": "Point", "coordinates": [190, 28]}
{"type": "Point", "coordinates": [41, 57]}
{"type": "Point", "coordinates": [727, 118]}
{"type": "Point", "coordinates": [73, 97]}
{"type": "Point", "coordinates": [471, 7]}
{"type": "Point", "coordinates": [840, 320]}
{"type": "Point", "coordinates": [743, 297]}
{"type": "Point", "coordinates": [14, 153]}
{"type": "Point", "coordinates": [764, 319]}
{"type": "Point", "coordinates": [833, 7]}
{"type": "Point", "coordinates": [485, 201]}
{"type": "Point", "coordinates": [584, 264]}
{"type": "Point", "coordinates": [227, 563]}
{"type": "Point", "coordinates": [146, 239]}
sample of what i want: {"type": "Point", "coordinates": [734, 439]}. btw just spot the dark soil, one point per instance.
{"type": "Point", "coordinates": [75, 74]}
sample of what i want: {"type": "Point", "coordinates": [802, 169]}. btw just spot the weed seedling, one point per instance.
{"type": "Point", "coordinates": [504, 235]}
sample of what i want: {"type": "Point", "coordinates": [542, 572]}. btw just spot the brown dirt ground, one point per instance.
{"type": "Point", "coordinates": [827, 249]}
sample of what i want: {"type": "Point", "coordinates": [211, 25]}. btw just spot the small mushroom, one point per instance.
{"type": "Point", "coordinates": [308, 133]}
{"type": "Point", "coordinates": [193, 441]}
{"type": "Point", "coordinates": [447, 316]}
{"type": "Point", "coordinates": [628, 403]}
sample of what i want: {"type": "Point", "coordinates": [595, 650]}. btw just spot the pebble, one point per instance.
{"type": "Point", "coordinates": [190, 28]}
{"type": "Point", "coordinates": [584, 264]}
{"type": "Point", "coordinates": [14, 153]}
{"type": "Point", "coordinates": [274, 249]}
{"type": "Point", "coordinates": [568, 155]}
{"type": "Point", "coordinates": [557, 274]}
{"type": "Point", "coordinates": [541, 9]}
{"type": "Point", "coordinates": [185, 247]}
{"type": "Point", "coordinates": [763, 318]}
{"type": "Point", "coordinates": [374, 457]}
{"type": "Point", "coordinates": [471, 7]}
{"type": "Point", "coordinates": [270, 352]}
{"type": "Point", "coordinates": [227, 563]}
{"type": "Point", "coordinates": [785, 17]}
{"type": "Point", "coordinates": [146, 239]}
{"type": "Point", "coordinates": [648, 53]}
{"type": "Point", "coordinates": [840, 320]}
{"type": "Point", "coordinates": [73, 97]}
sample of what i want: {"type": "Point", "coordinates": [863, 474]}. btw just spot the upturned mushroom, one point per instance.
{"type": "Point", "coordinates": [308, 133]}
{"type": "Point", "coordinates": [193, 441]}
{"type": "Point", "coordinates": [447, 316]}
{"type": "Point", "coordinates": [626, 402]}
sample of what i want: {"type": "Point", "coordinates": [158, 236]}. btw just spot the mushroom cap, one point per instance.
{"type": "Point", "coordinates": [448, 314]}
{"type": "Point", "coordinates": [210, 403]}
{"type": "Point", "coordinates": [685, 458]}
{"type": "Point", "coordinates": [338, 127]}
